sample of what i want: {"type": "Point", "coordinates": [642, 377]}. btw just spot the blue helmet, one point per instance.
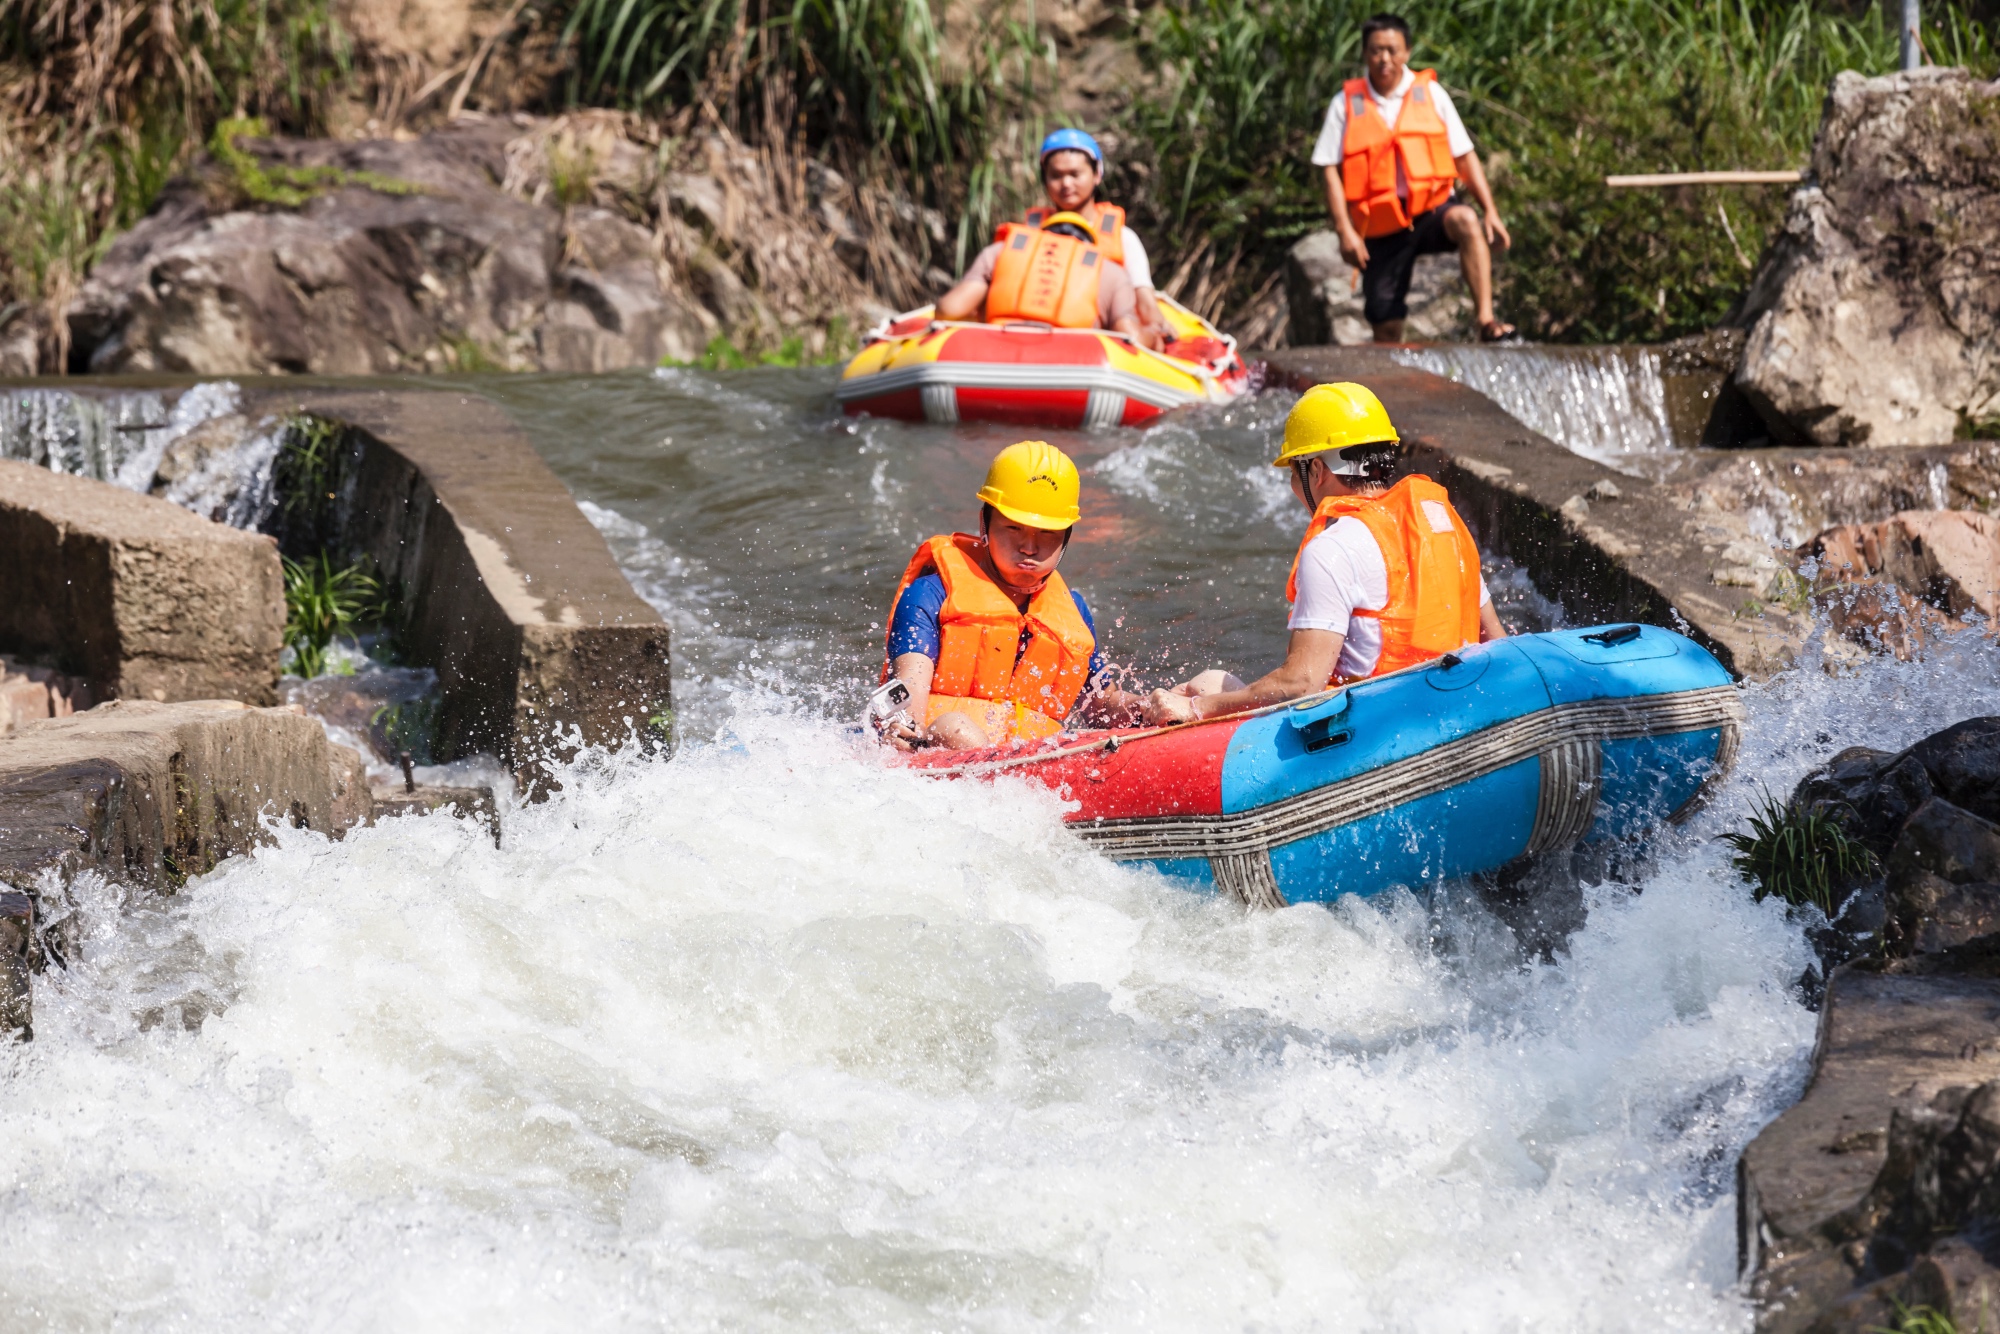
{"type": "Point", "coordinates": [1063, 140]}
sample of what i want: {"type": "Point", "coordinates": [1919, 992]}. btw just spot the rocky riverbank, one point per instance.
{"type": "Point", "coordinates": [1876, 1193]}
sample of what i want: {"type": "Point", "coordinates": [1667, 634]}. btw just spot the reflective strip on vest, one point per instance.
{"type": "Point", "coordinates": [1372, 151]}
{"type": "Point", "coordinates": [1433, 567]}
{"type": "Point", "coordinates": [1051, 278]}
{"type": "Point", "coordinates": [983, 668]}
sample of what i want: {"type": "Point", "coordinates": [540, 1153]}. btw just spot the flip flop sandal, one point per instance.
{"type": "Point", "coordinates": [1498, 331]}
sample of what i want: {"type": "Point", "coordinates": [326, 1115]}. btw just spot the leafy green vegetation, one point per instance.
{"type": "Point", "coordinates": [104, 103]}
{"type": "Point", "coordinates": [306, 479]}
{"type": "Point", "coordinates": [1210, 150]}
{"type": "Point", "coordinates": [410, 726]}
{"type": "Point", "coordinates": [1800, 855]}
{"type": "Point", "coordinates": [722, 353]}
{"type": "Point", "coordinates": [322, 603]}
{"type": "Point", "coordinates": [1557, 94]}
{"type": "Point", "coordinates": [281, 185]}
{"type": "Point", "coordinates": [1918, 1320]}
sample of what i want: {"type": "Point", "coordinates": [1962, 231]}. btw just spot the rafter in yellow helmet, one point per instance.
{"type": "Point", "coordinates": [1335, 416]}
{"type": "Point", "coordinates": [1034, 483]}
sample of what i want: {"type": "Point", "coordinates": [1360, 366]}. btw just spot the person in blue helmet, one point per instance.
{"type": "Point", "coordinates": [1072, 171]}
{"type": "Point", "coordinates": [1072, 166]}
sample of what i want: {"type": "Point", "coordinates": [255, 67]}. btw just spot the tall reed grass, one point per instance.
{"type": "Point", "coordinates": [1558, 94]}
{"type": "Point", "coordinates": [870, 82]}
{"type": "Point", "coordinates": [100, 101]}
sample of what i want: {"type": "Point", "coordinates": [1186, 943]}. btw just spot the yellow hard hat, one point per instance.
{"type": "Point", "coordinates": [1034, 483]}
{"type": "Point", "coordinates": [1074, 220]}
{"type": "Point", "coordinates": [1335, 416]}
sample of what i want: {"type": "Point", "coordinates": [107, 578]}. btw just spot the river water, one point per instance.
{"type": "Point", "coordinates": [773, 1037]}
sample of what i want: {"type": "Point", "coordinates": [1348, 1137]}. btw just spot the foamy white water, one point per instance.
{"type": "Point", "coordinates": [770, 1037]}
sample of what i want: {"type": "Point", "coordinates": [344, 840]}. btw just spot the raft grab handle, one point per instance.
{"type": "Point", "coordinates": [1616, 635]}
{"type": "Point", "coordinates": [1322, 724]}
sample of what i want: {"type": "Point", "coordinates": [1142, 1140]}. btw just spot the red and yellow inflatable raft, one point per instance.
{"type": "Point", "coordinates": [917, 368]}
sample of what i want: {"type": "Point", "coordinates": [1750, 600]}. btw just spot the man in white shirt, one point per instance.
{"type": "Point", "coordinates": [1430, 223]}
{"type": "Point", "coordinates": [1350, 618]}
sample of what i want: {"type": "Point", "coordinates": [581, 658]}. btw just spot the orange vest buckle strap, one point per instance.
{"type": "Point", "coordinates": [1107, 220]}
{"type": "Point", "coordinates": [1433, 564]}
{"type": "Point", "coordinates": [1044, 276]}
{"type": "Point", "coordinates": [983, 669]}
{"type": "Point", "coordinates": [1372, 151]}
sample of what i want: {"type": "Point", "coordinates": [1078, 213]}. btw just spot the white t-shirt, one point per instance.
{"type": "Point", "coordinates": [1137, 266]}
{"type": "Point", "coordinates": [1333, 133]}
{"type": "Point", "coordinates": [1341, 570]}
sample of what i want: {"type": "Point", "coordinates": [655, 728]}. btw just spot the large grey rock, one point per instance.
{"type": "Point", "coordinates": [1874, 793]}
{"type": "Point", "coordinates": [1323, 294]}
{"type": "Point", "coordinates": [1875, 318]}
{"type": "Point", "coordinates": [452, 273]}
{"type": "Point", "coordinates": [1813, 1184]}
{"type": "Point", "coordinates": [135, 595]}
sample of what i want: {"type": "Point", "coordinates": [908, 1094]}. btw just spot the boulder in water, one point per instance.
{"type": "Point", "coordinates": [1873, 317]}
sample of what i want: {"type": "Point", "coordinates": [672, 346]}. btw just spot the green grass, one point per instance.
{"type": "Point", "coordinates": [723, 354]}
{"type": "Point", "coordinates": [324, 602]}
{"type": "Point", "coordinates": [1918, 1320]}
{"type": "Point", "coordinates": [1801, 856]}
{"type": "Point", "coordinates": [410, 726]}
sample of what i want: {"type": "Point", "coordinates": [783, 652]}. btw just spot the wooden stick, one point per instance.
{"type": "Point", "coordinates": [1707, 178]}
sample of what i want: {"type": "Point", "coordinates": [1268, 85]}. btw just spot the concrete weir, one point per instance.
{"type": "Point", "coordinates": [506, 590]}
{"type": "Point", "coordinates": [511, 595]}
{"type": "Point", "coordinates": [1607, 545]}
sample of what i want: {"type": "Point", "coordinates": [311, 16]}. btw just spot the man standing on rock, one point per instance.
{"type": "Point", "coordinates": [1393, 149]}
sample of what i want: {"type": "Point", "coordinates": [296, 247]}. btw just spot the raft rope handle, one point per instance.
{"type": "Point", "coordinates": [1111, 744]}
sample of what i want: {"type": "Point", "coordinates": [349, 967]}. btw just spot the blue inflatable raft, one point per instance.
{"type": "Point", "coordinates": [1461, 766]}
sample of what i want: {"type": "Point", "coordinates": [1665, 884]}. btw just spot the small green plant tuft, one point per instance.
{"type": "Point", "coordinates": [1789, 591]}
{"type": "Point", "coordinates": [1918, 1320]}
{"type": "Point", "coordinates": [323, 602]}
{"type": "Point", "coordinates": [285, 186]}
{"type": "Point", "coordinates": [410, 725]}
{"type": "Point", "coordinates": [723, 354]}
{"type": "Point", "coordinates": [572, 174]}
{"type": "Point", "coordinates": [1800, 855]}
{"type": "Point", "coordinates": [466, 354]}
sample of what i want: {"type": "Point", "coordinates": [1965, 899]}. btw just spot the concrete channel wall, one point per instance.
{"type": "Point", "coordinates": [136, 596]}
{"type": "Point", "coordinates": [512, 596]}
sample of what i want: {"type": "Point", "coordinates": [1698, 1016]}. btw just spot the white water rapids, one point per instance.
{"type": "Point", "coordinates": [771, 1037]}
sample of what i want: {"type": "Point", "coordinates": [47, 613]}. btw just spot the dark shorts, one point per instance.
{"type": "Point", "coordinates": [1385, 283]}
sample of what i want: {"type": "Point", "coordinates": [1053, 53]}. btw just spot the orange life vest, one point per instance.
{"type": "Point", "coordinates": [1433, 570]}
{"type": "Point", "coordinates": [1372, 150]}
{"type": "Point", "coordinates": [1044, 276]}
{"type": "Point", "coordinates": [983, 670]}
{"type": "Point", "coordinates": [1107, 220]}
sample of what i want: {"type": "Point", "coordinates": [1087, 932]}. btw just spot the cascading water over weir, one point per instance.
{"type": "Point", "coordinates": [777, 1036]}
